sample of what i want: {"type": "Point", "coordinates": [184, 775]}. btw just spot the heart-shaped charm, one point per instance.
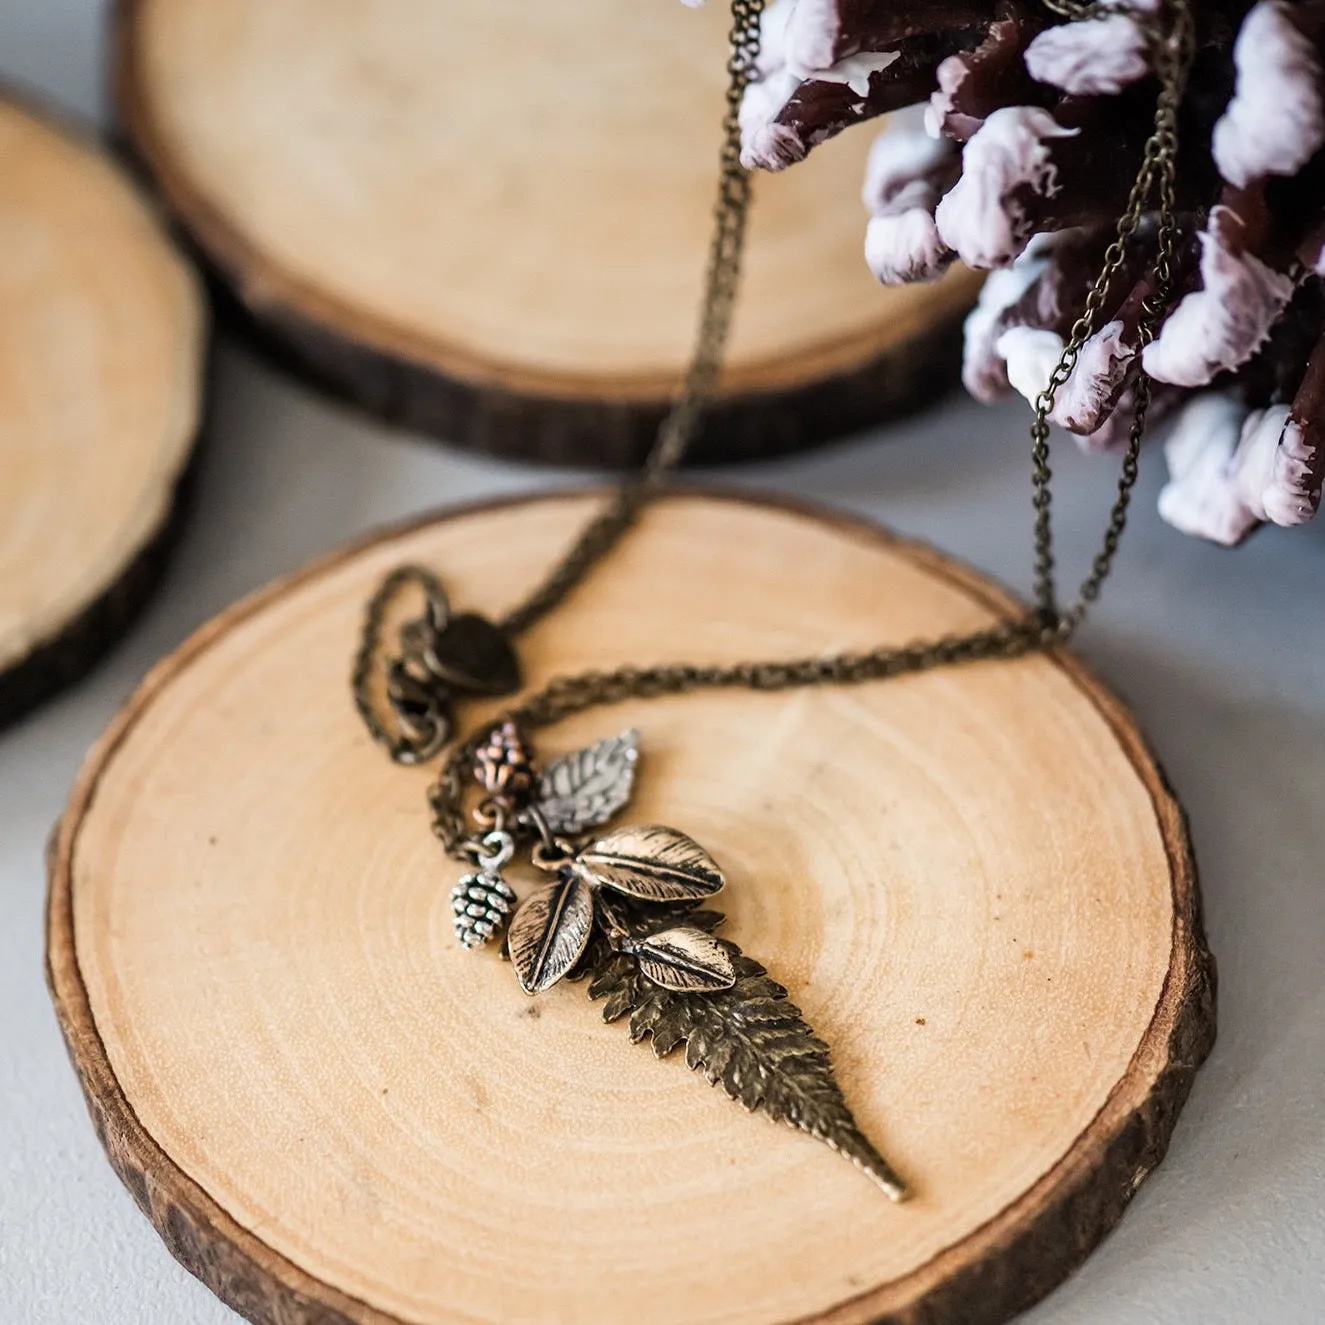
{"type": "Point", "coordinates": [471, 654]}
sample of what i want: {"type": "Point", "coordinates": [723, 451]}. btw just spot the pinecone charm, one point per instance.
{"type": "Point", "coordinates": [481, 903]}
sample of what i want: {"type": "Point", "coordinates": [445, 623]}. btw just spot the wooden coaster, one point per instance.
{"type": "Point", "coordinates": [102, 330]}
{"type": "Point", "coordinates": [490, 221]}
{"type": "Point", "coordinates": [975, 882]}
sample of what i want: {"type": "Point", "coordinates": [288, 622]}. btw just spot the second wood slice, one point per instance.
{"type": "Point", "coordinates": [975, 883]}
{"type": "Point", "coordinates": [103, 332]}
{"type": "Point", "coordinates": [490, 221]}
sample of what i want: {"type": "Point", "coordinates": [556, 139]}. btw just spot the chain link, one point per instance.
{"type": "Point", "coordinates": [422, 725]}
{"type": "Point", "coordinates": [1171, 46]}
{"type": "Point", "coordinates": [421, 712]}
{"type": "Point", "coordinates": [721, 279]}
{"type": "Point", "coordinates": [565, 696]}
{"type": "Point", "coordinates": [1171, 52]}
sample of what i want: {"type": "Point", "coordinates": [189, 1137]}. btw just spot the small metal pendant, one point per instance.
{"type": "Point", "coordinates": [441, 658]}
{"type": "Point", "coordinates": [483, 901]}
{"type": "Point", "coordinates": [627, 911]}
{"type": "Point", "coordinates": [474, 657]}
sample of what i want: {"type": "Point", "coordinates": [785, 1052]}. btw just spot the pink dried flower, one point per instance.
{"type": "Point", "coordinates": [983, 217]}
{"type": "Point", "coordinates": [904, 180]}
{"type": "Point", "coordinates": [1201, 496]}
{"type": "Point", "coordinates": [1088, 59]}
{"type": "Point", "coordinates": [1221, 325]}
{"type": "Point", "coordinates": [1276, 122]}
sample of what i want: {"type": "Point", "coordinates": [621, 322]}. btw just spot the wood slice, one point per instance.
{"type": "Point", "coordinates": [975, 882]}
{"type": "Point", "coordinates": [102, 331]}
{"type": "Point", "coordinates": [490, 221]}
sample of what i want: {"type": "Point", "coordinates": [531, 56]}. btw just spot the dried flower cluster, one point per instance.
{"type": "Point", "coordinates": [1025, 136]}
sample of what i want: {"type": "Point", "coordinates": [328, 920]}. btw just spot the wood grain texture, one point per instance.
{"type": "Point", "coordinates": [976, 883]}
{"type": "Point", "coordinates": [490, 221]}
{"type": "Point", "coordinates": [102, 332]}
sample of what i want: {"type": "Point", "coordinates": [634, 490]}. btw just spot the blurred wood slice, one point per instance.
{"type": "Point", "coordinates": [102, 340]}
{"type": "Point", "coordinates": [975, 882]}
{"type": "Point", "coordinates": [490, 221]}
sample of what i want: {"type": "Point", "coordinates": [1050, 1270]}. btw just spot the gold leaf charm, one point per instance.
{"type": "Point", "coordinates": [550, 932]}
{"type": "Point", "coordinates": [685, 959]}
{"type": "Point", "coordinates": [653, 864]}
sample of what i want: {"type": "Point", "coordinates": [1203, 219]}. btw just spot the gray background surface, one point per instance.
{"type": "Point", "coordinates": [1219, 654]}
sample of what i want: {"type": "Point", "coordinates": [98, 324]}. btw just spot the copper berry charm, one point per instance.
{"type": "Point", "coordinates": [504, 767]}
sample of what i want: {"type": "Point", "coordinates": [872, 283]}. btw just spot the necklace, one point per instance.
{"type": "Point", "coordinates": [627, 910]}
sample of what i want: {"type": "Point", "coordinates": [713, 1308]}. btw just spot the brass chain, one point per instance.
{"type": "Point", "coordinates": [419, 728]}
{"type": "Point", "coordinates": [1171, 53]}
{"type": "Point", "coordinates": [1171, 46]}
{"type": "Point", "coordinates": [721, 279]}
{"type": "Point", "coordinates": [420, 725]}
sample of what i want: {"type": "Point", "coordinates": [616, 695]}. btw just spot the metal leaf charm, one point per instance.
{"type": "Point", "coordinates": [685, 959]}
{"type": "Point", "coordinates": [751, 1040]}
{"type": "Point", "coordinates": [586, 788]}
{"type": "Point", "coordinates": [654, 864]}
{"type": "Point", "coordinates": [550, 932]}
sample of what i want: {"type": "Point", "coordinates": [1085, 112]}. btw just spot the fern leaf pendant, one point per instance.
{"type": "Point", "coordinates": [751, 1041]}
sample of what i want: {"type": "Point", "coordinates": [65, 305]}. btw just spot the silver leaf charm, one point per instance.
{"type": "Point", "coordinates": [587, 787]}
{"type": "Point", "coordinates": [653, 864]}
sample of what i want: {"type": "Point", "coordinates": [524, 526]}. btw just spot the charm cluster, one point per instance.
{"type": "Point", "coordinates": [626, 892]}
{"type": "Point", "coordinates": [625, 911]}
